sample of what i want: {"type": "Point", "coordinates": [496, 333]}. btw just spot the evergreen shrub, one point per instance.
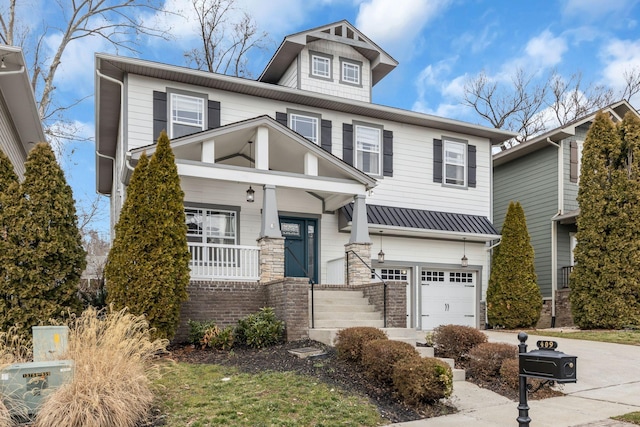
{"type": "Point", "coordinates": [424, 380]}
{"type": "Point", "coordinates": [380, 356]}
{"type": "Point", "coordinates": [485, 360]}
{"type": "Point", "coordinates": [350, 341]}
{"type": "Point", "coordinates": [197, 330]}
{"type": "Point", "coordinates": [259, 330]}
{"type": "Point", "coordinates": [455, 341]}
{"type": "Point", "coordinates": [220, 339]}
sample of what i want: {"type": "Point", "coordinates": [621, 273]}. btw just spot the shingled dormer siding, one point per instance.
{"type": "Point", "coordinates": [333, 84]}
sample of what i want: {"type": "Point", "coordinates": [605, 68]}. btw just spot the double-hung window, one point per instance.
{"type": "Point", "coordinates": [306, 126]}
{"type": "Point", "coordinates": [187, 114]}
{"type": "Point", "coordinates": [455, 163]}
{"type": "Point", "coordinates": [368, 149]}
{"type": "Point", "coordinates": [350, 72]}
{"type": "Point", "coordinates": [212, 226]}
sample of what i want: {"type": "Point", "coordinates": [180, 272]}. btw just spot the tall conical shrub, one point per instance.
{"type": "Point", "coordinates": [604, 282]}
{"type": "Point", "coordinates": [148, 266]}
{"type": "Point", "coordinates": [43, 252]}
{"type": "Point", "coordinates": [513, 296]}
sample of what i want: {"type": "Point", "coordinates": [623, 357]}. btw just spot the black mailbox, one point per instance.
{"type": "Point", "coordinates": [548, 365]}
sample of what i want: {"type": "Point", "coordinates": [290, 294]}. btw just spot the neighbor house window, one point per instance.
{"type": "Point", "coordinates": [368, 149]}
{"type": "Point", "coordinates": [187, 114]}
{"type": "Point", "coordinates": [455, 162]}
{"type": "Point", "coordinates": [305, 125]}
{"type": "Point", "coordinates": [213, 226]}
{"type": "Point", "coordinates": [350, 72]}
{"type": "Point", "coordinates": [321, 65]}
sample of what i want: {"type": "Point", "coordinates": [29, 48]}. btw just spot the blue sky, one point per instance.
{"type": "Point", "coordinates": [438, 43]}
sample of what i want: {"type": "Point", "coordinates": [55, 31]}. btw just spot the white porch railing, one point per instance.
{"type": "Point", "coordinates": [224, 262]}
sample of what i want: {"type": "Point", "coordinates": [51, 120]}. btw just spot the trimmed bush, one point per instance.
{"type": "Point", "coordinates": [379, 357]}
{"type": "Point", "coordinates": [423, 380]}
{"type": "Point", "coordinates": [485, 360]}
{"type": "Point", "coordinates": [350, 341]}
{"type": "Point", "coordinates": [220, 339]}
{"type": "Point", "coordinates": [260, 329]}
{"type": "Point", "coordinates": [510, 375]}
{"type": "Point", "coordinates": [455, 341]}
{"type": "Point", "coordinates": [197, 330]}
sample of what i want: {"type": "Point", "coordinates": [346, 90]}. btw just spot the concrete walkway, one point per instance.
{"type": "Point", "coordinates": [608, 385]}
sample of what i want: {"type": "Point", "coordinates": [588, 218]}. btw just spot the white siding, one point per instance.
{"type": "Point", "coordinates": [290, 77]}
{"type": "Point", "coordinates": [10, 142]}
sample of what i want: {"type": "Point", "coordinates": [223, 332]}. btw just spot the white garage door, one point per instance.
{"type": "Point", "coordinates": [448, 297]}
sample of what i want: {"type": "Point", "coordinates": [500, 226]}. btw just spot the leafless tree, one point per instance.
{"type": "Point", "coordinates": [527, 108]}
{"type": "Point", "coordinates": [512, 106]}
{"type": "Point", "coordinates": [227, 35]}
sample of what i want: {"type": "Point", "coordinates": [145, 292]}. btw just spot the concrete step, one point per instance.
{"type": "Point", "coordinates": [364, 306]}
{"type": "Point", "coordinates": [425, 351]}
{"type": "Point", "coordinates": [347, 323]}
{"type": "Point", "coordinates": [393, 333]}
{"type": "Point", "coordinates": [459, 375]}
{"type": "Point", "coordinates": [347, 315]}
{"type": "Point", "coordinates": [337, 295]}
{"type": "Point", "coordinates": [336, 300]}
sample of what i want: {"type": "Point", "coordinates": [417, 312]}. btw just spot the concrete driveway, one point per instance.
{"type": "Point", "coordinates": [608, 385]}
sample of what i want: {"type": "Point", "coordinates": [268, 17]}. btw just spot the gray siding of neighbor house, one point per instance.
{"type": "Point", "coordinates": [571, 188]}
{"type": "Point", "coordinates": [533, 181]}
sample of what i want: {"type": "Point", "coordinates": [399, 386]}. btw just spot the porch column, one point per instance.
{"type": "Point", "coordinates": [208, 153]}
{"type": "Point", "coordinates": [271, 242]}
{"type": "Point", "coordinates": [359, 226]}
{"type": "Point", "coordinates": [262, 148]}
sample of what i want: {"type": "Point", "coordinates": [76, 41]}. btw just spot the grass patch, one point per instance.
{"type": "Point", "coordinates": [631, 337]}
{"type": "Point", "coordinates": [200, 395]}
{"type": "Point", "coordinates": [633, 418]}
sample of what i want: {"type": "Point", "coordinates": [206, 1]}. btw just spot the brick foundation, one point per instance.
{"type": "Point", "coordinates": [396, 301]}
{"type": "Point", "coordinates": [563, 311]}
{"type": "Point", "coordinates": [290, 300]}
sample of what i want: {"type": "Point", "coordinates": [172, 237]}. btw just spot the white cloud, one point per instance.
{"type": "Point", "coordinates": [546, 50]}
{"type": "Point", "coordinates": [394, 26]}
{"type": "Point", "coordinates": [620, 57]}
{"type": "Point", "coordinates": [593, 9]}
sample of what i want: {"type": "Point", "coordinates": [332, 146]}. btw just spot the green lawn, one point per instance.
{"type": "Point", "coordinates": [631, 337]}
{"type": "Point", "coordinates": [209, 395]}
{"type": "Point", "coordinates": [633, 417]}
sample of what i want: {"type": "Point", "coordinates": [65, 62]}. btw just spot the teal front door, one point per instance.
{"type": "Point", "coordinates": [300, 247]}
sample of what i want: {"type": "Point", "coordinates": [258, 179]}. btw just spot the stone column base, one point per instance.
{"type": "Point", "coordinates": [357, 273]}
{"type": "Point", "coordinates": [271, 258]}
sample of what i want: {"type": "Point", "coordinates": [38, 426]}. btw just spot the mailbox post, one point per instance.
{"type": "Point", "coordinates": [545, 363]}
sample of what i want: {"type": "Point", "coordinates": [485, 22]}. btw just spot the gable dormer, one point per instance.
{"type": "Point", "coordinates": [334, 59]}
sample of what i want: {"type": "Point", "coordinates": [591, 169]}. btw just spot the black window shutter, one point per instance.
{"type": "Point", "coordinates": [347, 143]}
{"type": "Point", "coordinates": [325, 135]}
{"type": "Point", "coordinates": [387, 151]}
{"type": "Point", "coordinates": [282, 119]}
{"type": "Point", "coordinates": [471, 166]}
{"type": "Point", "coordinates": [159, 113]}
{"type": "Point", "coordinates": [437, 160]}
{"type": "Point", "coordinates": [213, 117]}
{"type": "Point", "coordinates": [573, 161]}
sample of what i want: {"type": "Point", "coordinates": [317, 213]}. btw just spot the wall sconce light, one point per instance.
{"type": "Point", "coordinates": [380, 254]}
{"type": "Point", "coordinates": [250, 192]}
{"type": "Point", "coordinates": [464, 262]}
{"type": "Point", "coordinates": [2, 64]}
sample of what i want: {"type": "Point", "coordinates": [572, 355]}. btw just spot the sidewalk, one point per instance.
{"type": "Point", "coordinates": [608, 385]}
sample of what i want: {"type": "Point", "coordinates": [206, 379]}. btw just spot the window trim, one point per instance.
{"type": "Point", "coordinates": [201, 96]}
{"type": "Point", "coordinates": [329, 58]}
{"type": "Point", "coordinates": [347, 61]}
{"type": "Point", "coordinates": [316, 117]}
{"type": "Point", "coordinates": [464, 165]}
{"type": "Point", "coordinates": [380, 130]}
{"type": "Point", "coordinates": [221, 208]}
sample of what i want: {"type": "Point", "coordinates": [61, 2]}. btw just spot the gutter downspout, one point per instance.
{"type": "Point", "coordinates": [118, 82]}
{"type": "Point", "coordinates": [554, 233]}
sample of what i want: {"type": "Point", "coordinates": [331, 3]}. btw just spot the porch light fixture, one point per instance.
{"type": "Point", "coordinates": [2, 64]}
{"type": "Point", "coordinates": [250, 193]}
{"type": "Point", "coordinates": [464, 262]}
{"type": "Point", "coordinates": [380, 254]}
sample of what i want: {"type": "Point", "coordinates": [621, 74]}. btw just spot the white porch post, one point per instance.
{"type": "Point", "coordinates": [208, 154]}
{"type": "Point", "coordinates": [262, 148]}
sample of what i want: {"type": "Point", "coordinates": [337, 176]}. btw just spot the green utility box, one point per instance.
{"type": "Point", "coordinates": [24, 386]}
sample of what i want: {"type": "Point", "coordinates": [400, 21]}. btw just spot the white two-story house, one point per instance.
{"type": "Point", "coordinates": [299, 175]}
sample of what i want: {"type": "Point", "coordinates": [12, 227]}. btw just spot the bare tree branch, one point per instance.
{"type": "Point", "coordinates": [632, 83]}
{"type": "Point", "coordinates": [225, 43]}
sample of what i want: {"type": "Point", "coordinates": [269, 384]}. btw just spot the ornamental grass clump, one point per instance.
{"type": "Point", "coordinates": [115, 361]}
{"type": "Point", "coordinates": [14, 348]}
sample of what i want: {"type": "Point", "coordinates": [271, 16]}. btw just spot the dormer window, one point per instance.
{"type": "Point", "coordinates": [350, 72]}
{"type": "Point", "coordinates": [320, 65]}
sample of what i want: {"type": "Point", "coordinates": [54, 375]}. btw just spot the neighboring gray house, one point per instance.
{"type": "Point", "coordinates": [20, 125]}
{"type": "Point", "coordinates": [543, 175]}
